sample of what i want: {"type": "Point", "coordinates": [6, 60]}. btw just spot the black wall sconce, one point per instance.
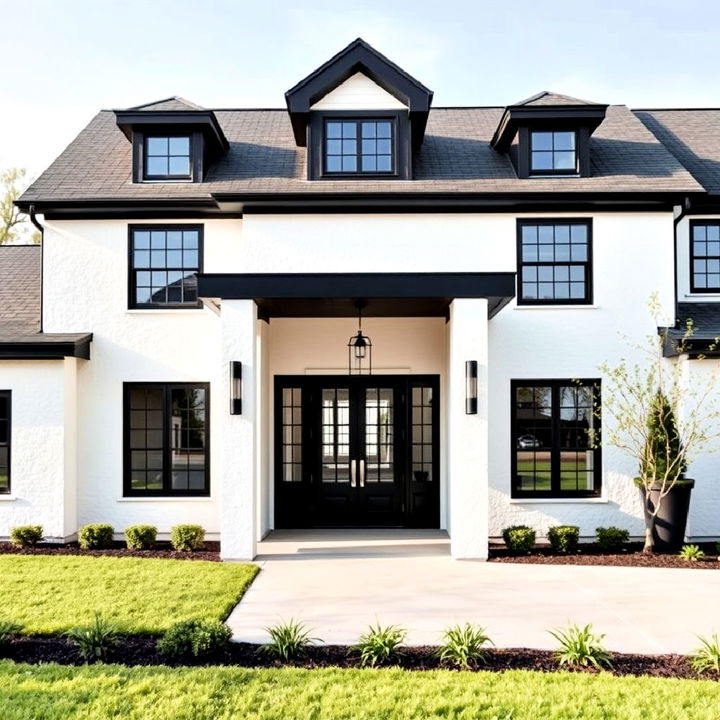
{"type": "Point", "coordinates": [235, 387]}
{"type": "Point", "coordinates": [471, 405]}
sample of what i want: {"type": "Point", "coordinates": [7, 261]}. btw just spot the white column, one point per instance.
{"type": "Point", "coordinates": [468, 434]}
{"type": "Point", "coordinates": [238, 485]}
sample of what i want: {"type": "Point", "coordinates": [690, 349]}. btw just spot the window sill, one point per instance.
{"type": "Point", "coordinates": [164, 499]}
{"type": "Point", "coordinates": [559, 501]}
{"type": "Point", "coordinates": [582, 306]}
{"type": "Point", "coordinates": [8, 498]}
{"type": "Point", "coordinates": [165, 311]}
{"type": "Point", "coordinates": [702, 296]}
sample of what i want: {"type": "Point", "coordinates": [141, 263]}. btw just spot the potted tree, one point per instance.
{"type": "Point", "coordinates": [661, 421]}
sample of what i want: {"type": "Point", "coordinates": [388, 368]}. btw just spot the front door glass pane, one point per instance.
{"type": "Point", "coordinates": [379, 435]}
{"type": "Point", "coordinates": [422, 434]}
{"type": "Point", "coordinates": [335, 435]}
{"type": "Point", "coordinates": [292, 434]}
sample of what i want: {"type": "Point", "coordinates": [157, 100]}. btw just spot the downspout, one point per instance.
{"type": "Point", "coordinates": [684, 209]}
{"type": "Point", "coordinates": [36, 223]}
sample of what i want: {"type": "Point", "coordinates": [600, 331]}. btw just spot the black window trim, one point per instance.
{"type": "Point", "coordinates": [555, 493]}
{"type": "Point", "coordinates": [131, 270]}
{"type": "Point", "coordinates": [197, 155]}
{"type": "Point", "coordinates": [691, 253]}
{"type": "Point", "coordinates": [160, 134]}
{"type": "Point", "coordinates": [358, 148]}
{"type": "Point", "coordinates": [167, 388]}
{"type": "Point", "coordinates": [588, 264]}
{"type": "Point", "coordinates": [551, 171]}
{"type": "Point", "coordinates": [8, 394]}
{"type": "Point", "coordinates": [402, 161]}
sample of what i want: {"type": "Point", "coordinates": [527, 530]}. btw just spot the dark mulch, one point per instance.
{"type": "Point", "coordinates": [140, 650]}
{"type": "Point", "coordinates": [591, 554]}
{"type": "Point", "coordinates": [210, 551]}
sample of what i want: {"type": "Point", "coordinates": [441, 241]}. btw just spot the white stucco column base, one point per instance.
{"type": "Point", "coordinates": [238, 486]}
{"type": "Point", "coordinates": [468, 434]}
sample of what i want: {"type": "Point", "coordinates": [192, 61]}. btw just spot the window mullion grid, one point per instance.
{"type": "Point", "coordinates": [167, 436]}
{"type": "Point", "coordinates": [358, 145]}
{"type": "Point", "coordinates": [555, 474]}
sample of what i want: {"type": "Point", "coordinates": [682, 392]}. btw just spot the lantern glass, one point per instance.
{"type": "Point", "coordinates": [471, 387]}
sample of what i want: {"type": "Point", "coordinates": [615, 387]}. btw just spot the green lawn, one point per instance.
{"type": "Point", "coordinates": [53, 692]}
{"type": "Point", "coordinates": [51, 593]}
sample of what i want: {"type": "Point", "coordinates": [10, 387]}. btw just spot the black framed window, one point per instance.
{"type": "Point", "coordinates": [553, 152]}
{"type": "Point", "coordinates": [5, 441]}
{"type": "Point", "coordinates": [167, 432]}
{"type": "Point", "coordinates": [364, 146]}
{"type": "Point", "coordinates": [555, 438]}
{"type": "Point", "coordinates": [168, 157]}
{"type": "Point", "coordinates": [554, 262]}
{"type": "Point", "coordinates": [705, 256]}
{"type": "Point", "coordinates": [164, 262]}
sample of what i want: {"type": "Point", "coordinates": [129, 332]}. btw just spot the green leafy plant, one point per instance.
{"type": "Point", "coordinates": [707, 657]}
{"type": "Point", "coordinates": [519, 538]}
{"type": "Point", "coordinates": [717, 549]}
{"type": "Point", "coordinates": [8, 630]}
{"type": "Point", "coordinates": [140, 537]}
{"type": "Point", "coordinates": [26, 535]}
{"type": "Point", "coordinates": [97, 536]}
{"type": "Point", "coordinates": [194, 639]}
{"type": "Point", "coordinates": [611, 539]}
{"type": "Point", "coordinates": [564, 538]}
{"type": "Point", "coordinates": [187, 537]}
{"type": "Point", "coordinates": [691, 553]}
{"type": "Point", "coordinates": [380, 645]}
{"type": "Point", "coordinates": [94, 641]}
{"type": "Point", "coordinates": [580, 647]}
{"type": "Point", "coordinates": [288, 639]}
{"type": "Point", "coordinates": [463, 645]}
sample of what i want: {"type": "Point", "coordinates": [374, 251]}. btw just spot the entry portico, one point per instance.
{"type": "Point", "coordinates": [318, 447]}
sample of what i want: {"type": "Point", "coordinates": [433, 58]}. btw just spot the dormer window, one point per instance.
{"type": "Point", "coordinates": [359, 146]}
{"type": "Point", "coordinates": [553, 153]}
{"type": "Point", "coordinates": [168, 157]}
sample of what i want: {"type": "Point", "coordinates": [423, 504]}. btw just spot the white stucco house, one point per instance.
{"type": "Point", "coordinates": [359, 311]}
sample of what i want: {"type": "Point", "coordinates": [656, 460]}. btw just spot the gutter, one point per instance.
{"type": "Point", "coordinates": [36, 223]}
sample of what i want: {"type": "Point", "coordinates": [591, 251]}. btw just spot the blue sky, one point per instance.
{"type": "Point", "coordinates": [66, 59]}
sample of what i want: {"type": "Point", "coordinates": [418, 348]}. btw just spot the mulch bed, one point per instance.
{"type": "Point", "coordinates": [591, 554]}
{"type": "Point", "coordinates": [140, 650]}
{"type": "Point", "coordinates": [210, 551]}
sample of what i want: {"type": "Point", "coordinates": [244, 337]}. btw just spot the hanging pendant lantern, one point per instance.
{"type": "Point", "coordinates": [360, 349]}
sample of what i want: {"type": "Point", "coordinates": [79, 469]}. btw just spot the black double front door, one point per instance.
{"type": "Point", "coordinates": [356, 451]}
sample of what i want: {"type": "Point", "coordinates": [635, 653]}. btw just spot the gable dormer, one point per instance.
{"type": "Point", "coordinates": [173, 140]}
{"type": "Point", "coordinates": [360, 115]}
{"type": "Point", "coordinates": [548, 135]}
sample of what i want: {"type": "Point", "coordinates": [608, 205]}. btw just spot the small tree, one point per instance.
{"type": "Point", "coordinates": [12, 182]}
{"type": "Point", "coordinates": [659, 419]}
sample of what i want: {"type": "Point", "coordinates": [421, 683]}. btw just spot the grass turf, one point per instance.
{"type": "Point", "coordinates": [53, 692]}
{"type": "Point", "coordinates": [52, 593]}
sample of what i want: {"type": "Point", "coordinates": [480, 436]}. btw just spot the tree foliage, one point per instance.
{"type": "Point", "coordinates": [13, 223]}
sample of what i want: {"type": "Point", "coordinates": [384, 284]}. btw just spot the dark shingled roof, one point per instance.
{"type": "Point", "coordinates": [19, 290]}
{"type": "Point", "coordinates": [693, 137]}
{"type": "Point", "coordinates": [546, 97]}
{"type": "Point", "coordinates": [455, 157]}
{"type": "Point", "coordinates": [704, 315]}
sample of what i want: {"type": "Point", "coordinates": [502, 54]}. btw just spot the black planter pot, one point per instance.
{"type": "Point", "coordinates": [670, 523]}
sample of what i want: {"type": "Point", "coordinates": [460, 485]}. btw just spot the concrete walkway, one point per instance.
{"type": "Point", "coordinates": [338, 582]}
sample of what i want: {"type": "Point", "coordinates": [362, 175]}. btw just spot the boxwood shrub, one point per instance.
{"type": "Point", "coordinates": [564, 538]}
{"type": "Point", "coordinates": [194, 639]}
{"type": "Point", "coordinates": [187, 537]}
{"type": "Point", "coordinates": [519, 538]}
{"type": "Point", "coordinates": [140, 537]}
{"type": "Point", "coordinates": [96, 536]}
{"type": "Point", "coordinates": [24, 536]}
{"type": "Point", "coordinates": [611, 539]}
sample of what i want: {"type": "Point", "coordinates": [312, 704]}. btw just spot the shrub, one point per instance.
{"type": "Point", "coordinates": [8, 630]}
{"type": "Point", "coordinates": [194, 639]}
{"type": "Point", "coordinates": [580, 647]}
{"type": "Point", "coordinates": [611, 539]}
{"type": "Point", "coordinates": [564, 538]}
{"type": "Point", "coordinates": [717, 549]}
{"type": "Point", "coordinates": [95, 537]}
{"type": "Point", "coordinates": [691, 553]}
{"type": "Point", "coordinates": [26, 535]}
{"type": "Point", "coordinates": [140, 537]}
{"type": "Point", "coordinates": [707, 657]}
{"type": "Point", "coordinates": [519, 538]}
{"type": "Point", "coordinates": [380, 645]}
{"type": "Point", "coordinates": [187, 537]}
{"type": "Point", "coordinates": [288, 639]}
{"type": "Point", "coordinates": [462, 645]}
{"type": "Point", "coordinates": [94, 641]}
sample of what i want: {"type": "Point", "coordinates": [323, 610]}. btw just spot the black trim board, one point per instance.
{"type": "Point", "coordinates": [46, 347]}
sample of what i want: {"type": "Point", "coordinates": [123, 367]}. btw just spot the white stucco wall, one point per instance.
{"type": "Point", "coordinates": [358, 92]}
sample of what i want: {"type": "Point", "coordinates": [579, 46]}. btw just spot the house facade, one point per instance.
{"type": "Point", "coordinates": [359, 311]}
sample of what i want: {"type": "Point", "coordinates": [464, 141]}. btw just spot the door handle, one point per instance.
{"type": "Point", "coordinates": [362, 473]}
{"type": "Point", "coordinates": [353, 470]}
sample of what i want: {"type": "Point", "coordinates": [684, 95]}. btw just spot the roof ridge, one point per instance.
{"type": "Point", "coordinates": [176, 98]}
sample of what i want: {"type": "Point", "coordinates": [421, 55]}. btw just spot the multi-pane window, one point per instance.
{"type": "Point", "coordinates": [335, 429]}
{"type": "Point", "coordinates": [555, 438]}
{"type": "Point", "coordinates": [705, 257]}
{"type": "Point", "coordinates": [4, 441]}
{"type": "Point", "coordinates": [359, 146]}
{"type": "Point", "coordinates": [166, 439]}
{"type": "Point", "coordinates": [292, 434]}
{"type": "Point", "coordinates": [164, 262]}
{"type": "Point", "coordinates": [553, 152]}
{"type": "Point", "coordinates": [422, 434]}
{"type": "Point", "coordinates": [167, 157]}
{"type": "Point", "coordinates": [554, 262]}
{"type": "Point", "coordinates": [379, 440]}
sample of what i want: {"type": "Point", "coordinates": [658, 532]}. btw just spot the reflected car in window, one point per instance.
{"type": "Point", "coordinates": [528, 442]}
